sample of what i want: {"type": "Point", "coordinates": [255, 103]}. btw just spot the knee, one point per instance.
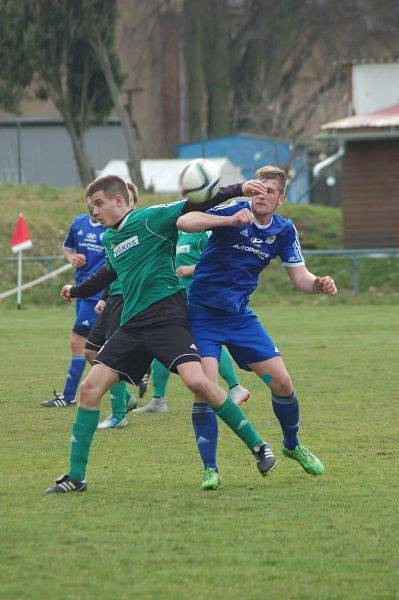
{"type": "Point", "coordinates": [76, 343]}
{"type": "Point", "coordinates": [89, 394]}
{"type": "Point", "coordinates": [89, 355]}
{"type": "Point", "coordinates": [197, 383]}
{"type": "Point", "coordinates": [282, 386]}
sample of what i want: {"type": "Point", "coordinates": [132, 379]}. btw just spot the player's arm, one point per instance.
{"type": "Point", "coordinates": [251, 187]}
{"type": "Point", "coordinates": [90, 286]}
{"type": "Point", "coordinates": [77, 260]}
{"type": "Point", "coordinates": [198, 221]}
{"type": "Point", "coordinates": [307, 282]}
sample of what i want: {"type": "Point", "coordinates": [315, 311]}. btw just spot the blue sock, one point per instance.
{"type": "Point", "coordinates": [206, 433]}
{"type": "Point", "coordinates": [286, 409]}
{"type": "Point", "coordinates": [75, 373]}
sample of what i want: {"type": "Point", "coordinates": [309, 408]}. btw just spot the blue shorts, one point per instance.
{"type": "Point", "coordinates": [243, 334]}
{"type": "Point", "coordinates": [85, 316]}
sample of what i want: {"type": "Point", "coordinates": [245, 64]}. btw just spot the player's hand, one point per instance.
{"type": "Point", "coordinates": [66, 293]}
{"type": "Point", "coordinates": [253, 187]}
{"type": "Point", "coordinates": [78, 260]}
{"type": "Point", "coordinates": [242, 217]}
{"type": "Point", "coordinates": [99, 307]}
{"type": "Point", "coordinates": [184, 271]}
{"type": "Point", "coordinates": [324, 285]}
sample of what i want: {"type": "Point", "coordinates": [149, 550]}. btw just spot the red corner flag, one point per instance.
{"type": "Point", "coordinates": [21, 237]}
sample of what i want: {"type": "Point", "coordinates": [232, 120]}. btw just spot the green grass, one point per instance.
{"type": "Point", "coordinates": [144, 529]}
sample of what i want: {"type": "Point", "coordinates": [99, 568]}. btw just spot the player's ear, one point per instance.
{"type": "Point", "coordinates": [281, 199]}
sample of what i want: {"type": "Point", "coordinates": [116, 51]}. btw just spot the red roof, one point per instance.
{"type": "Point", "coordinates": [385, 117]}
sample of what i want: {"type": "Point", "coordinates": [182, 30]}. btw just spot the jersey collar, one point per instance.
{"type": "Point", "coordinates": [118, 226]}
{"type": "Point", "coordinates": [259, 225]}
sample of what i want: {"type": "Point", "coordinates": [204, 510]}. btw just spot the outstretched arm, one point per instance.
{"type": "Point", "coordinates": [90, 286]}
{"type": "Point", "coordinates": [248, 188]}
{"type": "Point", "coordinates": [307, 282]}
{"type": "Point", "coordinates": [199, 221]}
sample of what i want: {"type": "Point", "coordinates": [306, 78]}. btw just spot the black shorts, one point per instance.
{"type": "Point", "coordinates": [160, 331]}
{"type": "Point", "coordinates": [106, 324]}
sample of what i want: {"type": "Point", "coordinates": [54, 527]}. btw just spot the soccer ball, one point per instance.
{"type": "Point", "coordinates": [200, 180]}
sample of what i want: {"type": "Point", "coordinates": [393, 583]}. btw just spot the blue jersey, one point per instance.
{"type": "Point", "coordinates": [85, 237]}
{"type": "Point", "coordinates": [229, 267]}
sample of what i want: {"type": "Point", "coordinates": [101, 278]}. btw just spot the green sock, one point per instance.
{"type": "Point", "coordinates": [82, 434]}
{"type": "Point", "coordinates": [118, 400]}
{"type": "Point", "coordinates": [226, 368]}
{"type": "Point", "coordinates": [160, 376]}
{"type": "Point", "coordinates": [233, 416]}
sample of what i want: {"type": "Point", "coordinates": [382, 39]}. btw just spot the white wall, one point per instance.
{"type": "Point", "coordinates": [374, 86]}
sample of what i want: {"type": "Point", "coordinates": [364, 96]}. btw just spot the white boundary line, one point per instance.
{"type": "Point", "coordinates": [31, 284]}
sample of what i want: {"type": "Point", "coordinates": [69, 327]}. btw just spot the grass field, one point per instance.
{"type": "Point", "coordinates": [145, 530]}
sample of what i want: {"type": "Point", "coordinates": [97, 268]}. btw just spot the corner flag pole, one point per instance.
{"type": "Point", "coordinates": [20, 241]}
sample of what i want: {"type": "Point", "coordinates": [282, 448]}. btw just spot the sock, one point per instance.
{"type": "Point", "coordinates": [118, 395]}
{"type": "Point", "coordinates": [233, 416]}
{"type": "Point", "coordinates": [82, 434]}
{"type": "Point", "coordinates": [160, 376]}
{"type": "Point", "coordinates": [286, 409]}
{"type": "Point", "coordinates": [226, 369]}
{"type": "Point", "coordinates": [205, 427]}
{"type": "Point", "coordinates": [75, 373]}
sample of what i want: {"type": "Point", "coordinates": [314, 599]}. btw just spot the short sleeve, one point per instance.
{"type": "Point", "coordinates": [164, 216]}
{"type": "Point", "coordinates": [202, 242]}
{"type": "Point", "coordinates": [70, 240]}
{"type": "Point", "coordinates": [290, 248]}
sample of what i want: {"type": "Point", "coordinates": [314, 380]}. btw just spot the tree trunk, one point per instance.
{"type": "Point", "coordinates": [132, 141]}
{"type": "Point", "coordinates": [85, 170]}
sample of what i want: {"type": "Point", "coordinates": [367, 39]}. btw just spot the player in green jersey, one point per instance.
{"type": "Point", "coordinates": [188, 251]}
{"type": "Point", "coordinates": [140, 246]}
{"type": "Point", "coordinates": [109, 309]}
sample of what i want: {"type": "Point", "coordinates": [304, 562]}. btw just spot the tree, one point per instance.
{"type": "Point", "coordinates": [98, 27]}
{"type": "Point", "coordinates": [53, 55]}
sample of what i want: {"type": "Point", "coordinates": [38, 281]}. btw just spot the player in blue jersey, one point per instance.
{"type": "Point", "coordinates": [83, 248]}
{"type": "Point", "coordinates": [246, 236]}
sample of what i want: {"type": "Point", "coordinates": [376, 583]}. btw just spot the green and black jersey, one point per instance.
{"type": "Point", "coordinates": [141, 252]}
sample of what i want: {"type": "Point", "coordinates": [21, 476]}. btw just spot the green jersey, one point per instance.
{"type": "Point", "coordinates": [141, 251]}
{"type": "Point", "coordinates": [188, 251]}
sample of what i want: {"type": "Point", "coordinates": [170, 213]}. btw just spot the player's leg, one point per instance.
{"type": "Point", "coordinates": [205, 428]}
{"type": "Point", "coordinates": [121, 357]}
{"type": "Point", "coordinates": [92, 388]}
{"type": "Point", "coordinates": [85, 318]}
{"type": "Point", "coordinates": [286, 408]}
{"type": "Point", "coordinates": [106, 324]}
{"type": "Point", "coordinates": [157, 404]}
{"type": "Point", "coordinates": [227, 371]}
{"type": "Point", "coordinates": [195, 379]}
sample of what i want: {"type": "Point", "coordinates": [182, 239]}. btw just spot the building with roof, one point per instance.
{"type": "Point", "coordinates": [369, 148]}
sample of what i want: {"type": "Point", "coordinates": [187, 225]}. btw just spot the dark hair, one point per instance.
{"type": "Point", "coordinates": [135, 193]}
{"type": "Point", "coordinates": [111, 185]}
{"type": "Point", "coordinates": [270, 172]}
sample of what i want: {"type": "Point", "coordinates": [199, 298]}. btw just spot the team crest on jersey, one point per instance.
{"type": "Point", "coordinates": [270, 239]}
{"type": "Point", "coordinates": [125, 245]}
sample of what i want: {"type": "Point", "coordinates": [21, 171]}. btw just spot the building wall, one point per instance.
{"type": "Point", "coordinates": [370, 194]}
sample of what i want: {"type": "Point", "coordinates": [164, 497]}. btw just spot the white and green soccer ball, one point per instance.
{"type": "Point", "coordinates": [200, 180]}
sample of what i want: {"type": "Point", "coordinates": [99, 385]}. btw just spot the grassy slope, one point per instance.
{"type": "Point", "coordinates": [50, 210]}
{"type": "Point", "coordinates": [145, 530]}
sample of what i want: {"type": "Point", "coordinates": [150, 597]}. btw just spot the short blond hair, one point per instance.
{"type": "Point", "coordinates": [270, 172]}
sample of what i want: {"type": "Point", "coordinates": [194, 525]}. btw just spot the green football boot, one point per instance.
{"type": "Point", "coordinates": [310, 463]}
{"type": "Point", "coordinates": [210, 479]}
